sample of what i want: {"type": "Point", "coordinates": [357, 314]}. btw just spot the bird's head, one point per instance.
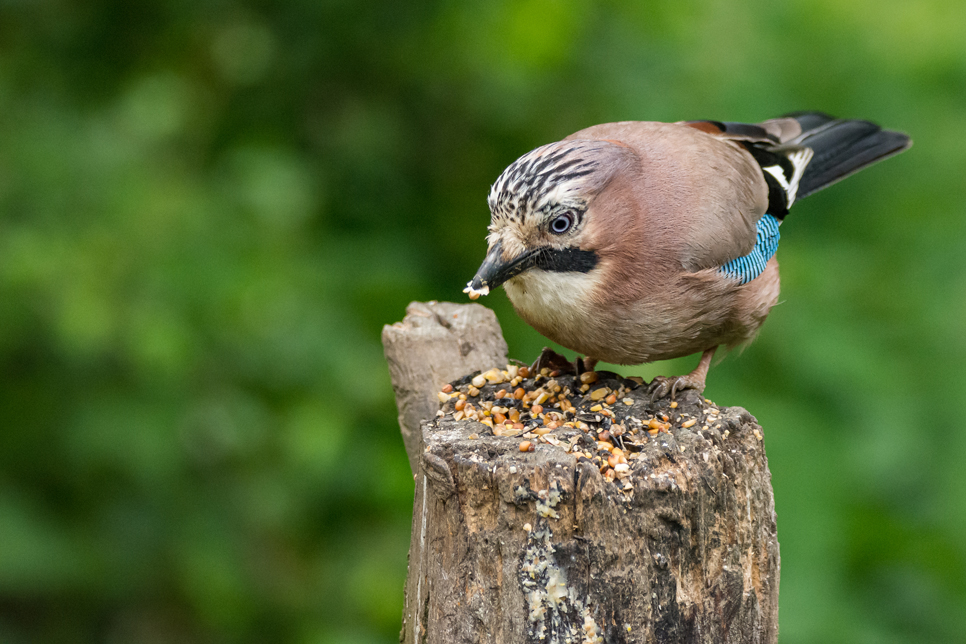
{"type": "Point", "coordinates": [542, 211]}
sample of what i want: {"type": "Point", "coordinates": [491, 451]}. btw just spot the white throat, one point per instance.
{"type": "Point", "coordinates": [551, 299]}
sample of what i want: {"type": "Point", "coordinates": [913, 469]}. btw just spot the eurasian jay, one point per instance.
{"type": "Point", "coordinates": [638, 241]}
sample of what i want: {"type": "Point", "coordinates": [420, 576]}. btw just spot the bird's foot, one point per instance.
{"type": "Point", "coordinates": [553, 361]}
{"type": "Point", "coordinates": [662, 386]}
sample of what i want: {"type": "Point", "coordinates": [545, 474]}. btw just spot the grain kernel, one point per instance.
{"type": "Point", "coordinates": [524, 372]}
{"type": "Point", "coordinates": [628, 401]}
{"type": "Point", "coordinates": [689, 423]}
{"type": "Point", "coordinates": [588, 377]}
{"type": "Point", "coordinates": [596, 408]}
{"type": "Point", "coordinates": [611, 399]}
{"type": "Point", "coordinates": [499, 418]}
{"type": "Point", "coordinates": [674, 404]}
{"type": "Point", "coordinates": [598, 394]}
{"type": "Point", "coordinates": [460, 404]}
{"type": "Point", "coordinates": [526, 446]}
{"type": "Point", "coordinates": [442, 397]}
{"type": "Point", "coordinates": [540, 431]}
{"type": "Point", "coordinates": [473, 392]}
{"type": "Point", "coordinates": [536, 410]}
{"type": "Point", "coordinates": [447, 388]}
{"type": "Point", "coordinates": [519, 393]}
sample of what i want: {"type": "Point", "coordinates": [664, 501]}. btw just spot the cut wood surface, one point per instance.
{"type": "Point", "coordinates": [621, 526]}
{"type": "Point", "coordinates": [435, 343]}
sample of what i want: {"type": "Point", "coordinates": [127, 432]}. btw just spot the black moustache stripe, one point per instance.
{"type": "Point", "coordinates": [566, 260]}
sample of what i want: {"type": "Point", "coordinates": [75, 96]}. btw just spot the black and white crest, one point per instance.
{"type": "Point", "coordinates": [558, 175]}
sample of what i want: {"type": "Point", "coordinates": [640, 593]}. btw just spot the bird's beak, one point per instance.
{"type": "Point", "coordinates": [495, 270]}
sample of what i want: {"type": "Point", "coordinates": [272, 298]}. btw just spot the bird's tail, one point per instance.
{"type": "Point", "coordinates": [840, 148]}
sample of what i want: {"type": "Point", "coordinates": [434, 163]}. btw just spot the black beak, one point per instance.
{"type": "Point", "coordinates": [495, 270]}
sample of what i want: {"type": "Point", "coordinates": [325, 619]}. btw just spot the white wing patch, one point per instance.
{"type": "Point", "coordinates": [799, 159]}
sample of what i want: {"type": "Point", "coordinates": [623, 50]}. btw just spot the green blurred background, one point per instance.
{"type": "Point", "coordinates": [208, 210]}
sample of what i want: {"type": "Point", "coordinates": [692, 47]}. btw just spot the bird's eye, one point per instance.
{"type": "Point", "coordinates": [561, 223]}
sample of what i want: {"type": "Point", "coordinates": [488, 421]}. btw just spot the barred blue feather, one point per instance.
{"type": "Point", "coordinates": [744, 269]}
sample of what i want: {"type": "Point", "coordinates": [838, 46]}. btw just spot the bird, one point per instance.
{"type": "Point", "coordinates": [638, 241]}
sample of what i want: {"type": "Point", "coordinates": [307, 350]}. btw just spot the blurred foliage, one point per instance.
{"type": "Point", "coordinates": [208, 209]}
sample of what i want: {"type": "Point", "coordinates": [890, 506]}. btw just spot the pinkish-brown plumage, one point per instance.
{"type": "Point", "coordinates": [636, 241]}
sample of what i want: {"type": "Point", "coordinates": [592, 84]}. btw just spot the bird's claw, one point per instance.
{"type": "Point", "coordinates": [662, 386]}
{"type": "Point", "coordinates": [553, 361]}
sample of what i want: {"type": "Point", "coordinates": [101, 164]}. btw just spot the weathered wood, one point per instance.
{"type": "Point", "coordinates": [435, 343]}
{"type": "Point", "coordinates": [511, 546]}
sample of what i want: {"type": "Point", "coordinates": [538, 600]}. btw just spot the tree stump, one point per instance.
{"type": "Point", "coordinates": [623, 521]}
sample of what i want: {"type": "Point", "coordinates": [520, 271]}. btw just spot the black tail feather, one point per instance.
{"type": "Point", "coordinates": [841, 148]}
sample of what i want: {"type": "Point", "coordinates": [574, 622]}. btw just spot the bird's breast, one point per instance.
{"type": "Point", "coordinates": [560, 305]}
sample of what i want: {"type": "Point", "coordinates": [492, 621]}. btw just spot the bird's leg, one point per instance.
{"type": "Point", "coordinates": [662, 386]}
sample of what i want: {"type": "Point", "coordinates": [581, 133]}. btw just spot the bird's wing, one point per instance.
{"type": "Point", "coordinates": [703, 186]}
{"type": "Point", "coordinates": [700, 192]}
{"type": "Point", "coordinates": [804, 152]}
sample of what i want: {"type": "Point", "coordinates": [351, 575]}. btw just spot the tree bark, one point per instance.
{"type": "Point", "coordinates": [435, 343]}
{"type": "Point", "coordinates": [677, 544]}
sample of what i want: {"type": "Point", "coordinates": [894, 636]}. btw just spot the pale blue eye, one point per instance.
{"type": "Point", "coordinates": [561, 224]}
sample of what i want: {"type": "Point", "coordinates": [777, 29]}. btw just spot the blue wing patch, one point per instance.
{"type": "Point", "coordinates": [744, 269]}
